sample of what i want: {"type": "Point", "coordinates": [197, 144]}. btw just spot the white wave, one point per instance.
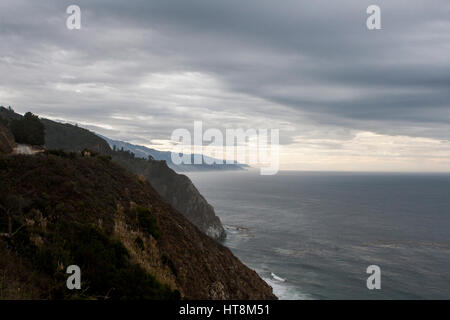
{"type": "Point", "coordinates": [284, 291]}
{"type": "Point", "coordinates": [277, 277]}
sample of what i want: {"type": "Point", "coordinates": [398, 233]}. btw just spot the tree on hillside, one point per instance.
{"type": "Point", "coordinates": [3, 121]}
{"type": "Point", "coordinates": [28, 130]}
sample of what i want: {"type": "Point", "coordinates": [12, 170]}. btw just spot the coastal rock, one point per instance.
{"type": "Point", "coordinates": [178, 190]}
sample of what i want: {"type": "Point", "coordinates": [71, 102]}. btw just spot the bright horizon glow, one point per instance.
{"type": "Point", "coordinates": [366, 152]}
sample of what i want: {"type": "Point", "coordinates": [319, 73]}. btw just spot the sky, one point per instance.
{"type": "Point", "coordinates": [343, 97]}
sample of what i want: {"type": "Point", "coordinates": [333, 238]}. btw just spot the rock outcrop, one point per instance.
{"type": "Point", "coordinates": [179, 191]}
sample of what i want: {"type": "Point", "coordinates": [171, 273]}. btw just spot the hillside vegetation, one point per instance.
{"type": "Point", "coordinates": [59, 209]}
{"type": "Point", "coordinates": [176, 189]}
{"type": "Point", "coordinates": [28, 130]}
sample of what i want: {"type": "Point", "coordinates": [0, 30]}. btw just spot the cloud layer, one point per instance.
{"type": "Point", "coordinates": [139, 69]}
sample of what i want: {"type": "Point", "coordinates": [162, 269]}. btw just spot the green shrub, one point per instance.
{"type": "Point", "coordinates": [147, 222]}
{"type": "Point", "coordinates": [28, 130]}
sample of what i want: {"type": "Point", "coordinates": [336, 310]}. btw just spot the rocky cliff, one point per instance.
{"type": "Point", "coordinates": [176, 189]}
{"type": "Point", "coordinates": [59, 209]}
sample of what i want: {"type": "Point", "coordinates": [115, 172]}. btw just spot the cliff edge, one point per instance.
{"type": "Point", "coordinates": [59, 209]}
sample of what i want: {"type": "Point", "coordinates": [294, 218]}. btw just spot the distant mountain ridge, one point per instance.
{"type": "Point", "coordinates": [144, 152]}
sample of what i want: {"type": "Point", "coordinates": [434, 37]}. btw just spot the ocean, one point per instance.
{"type": "Point", "coordinates": [320, 231]}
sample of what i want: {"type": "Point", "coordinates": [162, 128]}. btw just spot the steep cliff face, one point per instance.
{"type": "Point", "coordinates": [178, 190]}
{"type": "Point", "coordinates": [59, 209]}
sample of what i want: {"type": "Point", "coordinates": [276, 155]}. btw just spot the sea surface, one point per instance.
{"type": "Point", "coordinates": [320, 231]}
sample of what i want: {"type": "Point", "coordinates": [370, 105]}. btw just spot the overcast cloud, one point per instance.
{"type": "Point", "coordinates": [339, 93]}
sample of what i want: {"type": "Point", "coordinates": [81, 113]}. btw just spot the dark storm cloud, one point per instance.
{"type": "Point", "coordinates": [289, 64]}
